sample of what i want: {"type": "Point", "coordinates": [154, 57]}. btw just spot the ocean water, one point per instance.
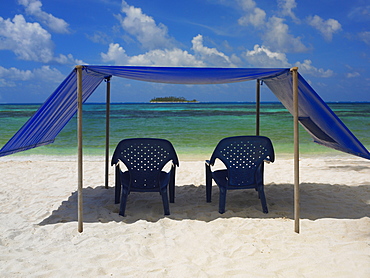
{"type": "Point", "coordinates": [193, 128]}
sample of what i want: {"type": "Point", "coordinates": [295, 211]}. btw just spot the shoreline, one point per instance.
{"type": "Point", "coordinates": [21, 156]}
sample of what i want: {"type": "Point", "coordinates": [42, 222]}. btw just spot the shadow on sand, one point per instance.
{"type": "Point", "coordinates": [317, 201]}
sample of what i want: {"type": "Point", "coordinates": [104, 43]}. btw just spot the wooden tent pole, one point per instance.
{"type": "Point", "coordinates": [79, 147]}
{"type": "Point", "coordinates": [107, 115]}
{"type": "Point", "coordinates": [296, 150]}
{"type": "Point", "coordinates": [258, 101]}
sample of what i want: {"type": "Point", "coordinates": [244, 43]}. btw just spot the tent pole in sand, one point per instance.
{"type": "Point", "coordinates": [294, 72]}
{"type": "Point", "coordinates": [107, 133]}
{"type": "Point", "coordinates": [79, 147]}
{"type": "Point", "coordinates": [258, 101]}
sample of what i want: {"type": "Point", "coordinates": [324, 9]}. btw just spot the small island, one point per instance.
{"type": "Point", "coordinates": [171, 99]}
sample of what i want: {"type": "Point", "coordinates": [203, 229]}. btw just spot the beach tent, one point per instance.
{"type": "Point", "coordinates": [287, 84]}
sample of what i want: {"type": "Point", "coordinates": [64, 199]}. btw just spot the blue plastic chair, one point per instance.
{"type": "Point", "coordinates": [244, 158]}
{"type": "Point", "coordinates": [144, 159]}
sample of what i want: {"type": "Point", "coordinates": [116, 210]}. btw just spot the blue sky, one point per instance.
{"type": "Point", "coordinates": [42, 40]}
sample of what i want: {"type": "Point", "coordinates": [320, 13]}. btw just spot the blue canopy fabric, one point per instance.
{"type": "Point", "coordinates": [314, 115]}
{"type": "Point", "coordinates": [42, 128]}
{"type": "Point", "coordinates": [183, 75]}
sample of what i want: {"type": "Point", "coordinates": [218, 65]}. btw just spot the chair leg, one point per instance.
{"type": "Point", "coordinates": [117, 186]}
{"type": "Point", "coordinates": [222, 202]}
{"type": "Point", "coordinates": [262, 196]}
{"type": "Point", "coordinates": [122, 207]}
{"type": "Point", "coordinates": [166, 206]}
{"type": "Point", "coordinates": [208, 183]}
{"type": "Point", "coordinates": [172, 184]}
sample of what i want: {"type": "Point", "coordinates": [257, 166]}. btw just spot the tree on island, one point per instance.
{"type": "Point", "coordinates": [171, 99]}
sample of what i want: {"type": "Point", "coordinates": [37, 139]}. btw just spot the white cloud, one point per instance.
{"type": "Point", "coordinates": [352, 74]}
{"type": "Point", "coordinates": [144, 28]}
{"type": "Point", "coordinates": [115, 53]}
{"type": "Point", "coordinates": [161, 47]}
{"type": "Point", "coordinates": [29, 41]}
{"type": "Point", "coordinates": [261, 56]}
{"type": "Point", "coordinates": [211, 56]}
{"type": "Point", "coordinates": [254, 15]}
{"type": "Point", "coordinates": [33, 8]}
{"type": "Point", "coordinates": [255, 18]}
{"type": "Point", "coordinates": [278, 37]}
{"type": "Point", "coordinates": [46, 73]}
{"type": "Point", "coordinates": [9, 76]}
{"type": "Point", "coordinates": [158, 57]}
{"type": "Point", "coordinates": [68, 59]}
{"type": "Point", "coordinates": [365, 37]}
{"type": "Point", "coordinates": [13, 74]}
{"type": "Point", "coordinates": [247, 4]}
{"type": "Point", "coordinates": [326, 28]}
{"type": "Point", "coordinates": [307, 68]}
{"type": "Point", "coordinates": [287, 7]}
{"type": "Point", "coordinates": [274, 32]}
{"type": "Point", "coordinates": [236, 60]}
{"type": "Point", "coordinates": [360, 13]}
{"type": "Point", "coordinates": [173, 57]}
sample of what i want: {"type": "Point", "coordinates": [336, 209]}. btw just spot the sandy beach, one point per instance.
{"type": "Point", "coordinates": [39, 237]}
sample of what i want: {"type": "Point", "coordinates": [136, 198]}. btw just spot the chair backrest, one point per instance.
{"type": "Point", "coordinates": [243, 157]}
{"type": "Point", "coordinates": [144, 159]}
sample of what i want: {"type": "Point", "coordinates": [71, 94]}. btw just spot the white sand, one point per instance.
{"type": "Point", "coordinates": [39, 238]}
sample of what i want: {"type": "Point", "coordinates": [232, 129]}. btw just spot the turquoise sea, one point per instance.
{"type": "Point", "coordinates": [193, 128]}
